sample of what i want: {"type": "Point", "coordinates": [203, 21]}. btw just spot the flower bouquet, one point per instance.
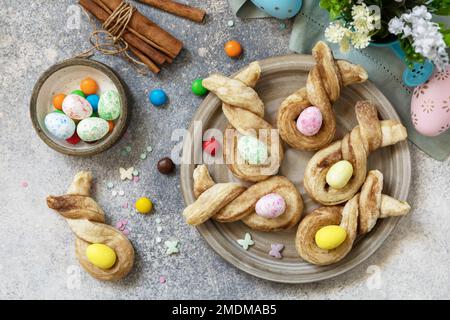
{"type": "Point", "coordinates": [359, 23]}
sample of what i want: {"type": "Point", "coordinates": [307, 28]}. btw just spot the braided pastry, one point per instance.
{"type": "Point", "coordinates": [323, 87]}
{"type": "Point", "coordinates": [229, 202]}
{"type": "Point", "coordinates": [245, 111]}
{"type": "Point", "coordinates": [358, 216]}
{"type": "Point", "coordinates": [355, 147]}
{"type": "Point", "coordinates": [87, 221]}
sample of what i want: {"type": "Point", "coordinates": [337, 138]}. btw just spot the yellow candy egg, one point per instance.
{"type": "Point", "coordinates": [339, 174]}
{"type": "Point", "coordinates": [101, 255]}
{"type": "Point", "coordinates": [144, 205]}
{"type": "Point", "coordinates": [330, 237]}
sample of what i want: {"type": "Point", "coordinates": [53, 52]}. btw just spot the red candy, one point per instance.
{"type": "Point", "coordinates": [74, 139]}
{"type": "Point", "coordinates": [210, 146]}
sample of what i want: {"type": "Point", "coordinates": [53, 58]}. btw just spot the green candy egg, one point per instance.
{"type": "Point", "coordinates": [252, 150]}
{"type": "Point", "coordinates": [92, 129]}
{"type": "Point", "coordinates": [78, 93]}
{"type": "Point", "coordinates": [198, 88]}
{"type": "Point", "coordinates": [109, 105]}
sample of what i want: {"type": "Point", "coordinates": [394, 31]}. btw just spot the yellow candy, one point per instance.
{"type": "Point", "coordinates": [144, 205]}
{"type": "Point", "coordinates": [330, 237]}
{"type": "Point", "coordinates": [339, 174]}
{"type": "Point", "coordinates": [101, 255]}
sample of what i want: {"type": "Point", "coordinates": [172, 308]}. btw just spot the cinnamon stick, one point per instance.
{"type": "Point", "coordinates": [150, 64]}
{"type": "Point", "coordinates": [164, 52]}
{"type": "Point", "coordinates": [150, 30]}
{"type": "Point", "coordinates": [178, 9]}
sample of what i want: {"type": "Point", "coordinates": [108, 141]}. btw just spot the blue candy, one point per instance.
{"type": "Point", "coordinates": [93, 100]}
{"type": "Point", "coordinates": [158, 97]}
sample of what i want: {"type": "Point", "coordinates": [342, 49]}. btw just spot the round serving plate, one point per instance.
{"type": "Point", "coordinates": [281, 76]}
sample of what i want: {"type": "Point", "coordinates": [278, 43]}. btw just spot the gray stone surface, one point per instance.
{"type": "Point", "coordinates": [36, 245]}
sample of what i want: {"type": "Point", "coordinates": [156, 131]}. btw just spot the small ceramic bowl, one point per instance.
{"type": "Point", "coordinates": [65, 77]}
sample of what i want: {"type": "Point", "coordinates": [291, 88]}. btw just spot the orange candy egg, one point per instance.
{"type": "Point", "coordinates": [89, 86]}
{"type": "Point", "coordinates": [111, 126]}
{"type": "Point", "coordinates": [233, 49]}
{"type": "Point", "coordinates": [58, 100]}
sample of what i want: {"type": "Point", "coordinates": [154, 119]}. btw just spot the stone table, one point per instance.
{"type": "Point", "coordinates": [36, 245]}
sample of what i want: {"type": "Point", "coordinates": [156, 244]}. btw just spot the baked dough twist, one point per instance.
{"type": "Point", "coordinates": [229, 202]}
{"type": "Point", "coordinates": [245, 111]}
{"type": "Point", "coordinates": [323, 87]}
{"type": "Point", "coordinates": [355, 147]}
{"type": "Point", "coordinates": [358, 216]}
{"type": "Point", "coordinates": [87, 221]}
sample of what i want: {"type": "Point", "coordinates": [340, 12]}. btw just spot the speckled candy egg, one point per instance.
{"type": "Point", "coordinates": [270, 206]}
{"type": "Point", "coordinates": [309, 121]}
{"type": "Point", "coordinates": [92, 129]}
{"type": "Point", "coordinates": [281, 9]}
{"type": "Point", "coordinates": [76, 107]}
{"type": "Point", "coordinates": [109, 105]}
{"type": "Point", "coordinates": [59, 125]}
{"type": "Point", "coordinates": [430, 105]}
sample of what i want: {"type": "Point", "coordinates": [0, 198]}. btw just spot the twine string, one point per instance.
{"type": "Point", "coordinates": [109, 41]}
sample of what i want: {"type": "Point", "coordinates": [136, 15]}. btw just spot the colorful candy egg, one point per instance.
{"type": "Point", "coordinates": [92, 129]}
{"type": "Point", "coordinates": [252, 150]}
{"type": "Point", "coordinates": [101, 255]}
{"type": "Point", "coordinates": [76, 107]}
{"type": "Point", "coordinates": [93, 100]}
{"type": "Point", "coordinates": [330, 237]}
{"type": "Point", "coordinates": [59, 125]}
{"type": "Point", "coordinates": [270, 206]}
{"type": "Point", "coordinates": [109, 106]}
{"type": "Point", "coordinates": [339, 174]}
{"type": "Point", "coordinates": [281, 9]}
{"type": "Point", "coordinates": [309, 121]}
{"type": "Point", "coordinates": [430, 105]}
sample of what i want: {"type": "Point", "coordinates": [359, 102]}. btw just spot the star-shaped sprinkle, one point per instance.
{"type": "Point", "coordinates": [149, 149]}
{"type": "Point", "coordinates": [110, 185]}
{"type": "Point", "coordinates": [171, 247]}
{"type": "Point", "coordinates": [162, 280]}
{"type": "Point", "coordinates": [275, 250]}
{"type": "Point", "coordinates": [158, 220]}
{"type": "Point", "coordinates": [135, 172]}
{"type": "Point", "coordinates": [246, 242]}
{"type": "Point", "coordinates": [126, 173]}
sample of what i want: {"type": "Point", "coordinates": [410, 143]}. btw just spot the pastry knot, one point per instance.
{"type": "Point", "coordinates": [229, 202]}
{"type": "Point", "coordinates": [244, 111]}
{"type": "Point", "coordinates": [357, 217]}
{"type": "Point", "coordinates": [370, 134]}
{"type": "Point", "coordinates": [323, 87]}
{"type": "Point", "coordinates": [87, 221]}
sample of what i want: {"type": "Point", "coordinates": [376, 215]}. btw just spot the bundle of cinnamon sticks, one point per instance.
{"type": "Point", "coordinates": [151, 44]}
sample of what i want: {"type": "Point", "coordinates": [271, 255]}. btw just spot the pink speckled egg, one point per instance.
{"type": "Point", "coordinates": [76, 107]}
{"type": "Point", "coordinates": [309, 121]}
{"type": "Point", "coordinates": [430, 104]}
{"type": "Point", "coordinates": [270, 206]}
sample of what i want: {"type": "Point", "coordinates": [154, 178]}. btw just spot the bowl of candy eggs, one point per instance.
{"type": "Point", "coordinates": [79, 107]}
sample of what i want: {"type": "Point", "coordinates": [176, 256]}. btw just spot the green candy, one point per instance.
{"type": "Point", "coordinates": [252, 150]}
{"type": "Point", "coordinates": [78, 93]}
{"type": "Point", "coordinates": [58, 111]}
{"type": "Point", "coordinates": [198, 88]}
{"type": "Point", "coordinates": [109, 106]}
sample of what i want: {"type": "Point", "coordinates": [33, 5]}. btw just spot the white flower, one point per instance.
{"type": "Point", "coordinates": [335, 32]}
{"type": "Point", "coordinates": [421, 12]}
{"type": "Point", "coordinates": [360, 11]}
{"type": "Point", "coordinates": [396, 26]}
{"type": "Point", "coordinates": [425, 36]}
{"type": "Point", "coordinates": [345, 44]}
{"type": "Point", "coordinates": [360, 40]}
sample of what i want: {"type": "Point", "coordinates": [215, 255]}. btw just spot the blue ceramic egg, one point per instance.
{"type": "Point", "coordinates": [59, 125]}
{"type": "Point", "coordinates": [281, 9]}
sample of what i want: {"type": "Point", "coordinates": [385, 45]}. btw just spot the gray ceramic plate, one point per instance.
{"type": "Point", "coordinates": [281, 76]}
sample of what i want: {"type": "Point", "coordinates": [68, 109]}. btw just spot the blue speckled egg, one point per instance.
{"type": "Point", "coordinates": [281, 9]}
{"type": "Point", "coordinates": [59, 125]}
